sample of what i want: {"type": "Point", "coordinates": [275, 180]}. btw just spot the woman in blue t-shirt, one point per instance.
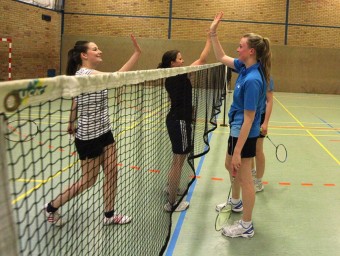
{"type": "Point", "coordinates": [253, 66]}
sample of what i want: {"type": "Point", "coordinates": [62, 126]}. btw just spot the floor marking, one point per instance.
{"type": "Point", "coordinates": [215, 178]}
{"type": "Point", "coordinates": [329, 185]}
{"type": "Point", "coordinates": [307, 184]}
{"type": "Point", "coordinates": [284, 183]}
{"type": "Point", "coordinates": [155, 171]}
{"type": "Point", "coordinates": [135, 167]}
{"type": "Point", "coordinates": [317, 141]}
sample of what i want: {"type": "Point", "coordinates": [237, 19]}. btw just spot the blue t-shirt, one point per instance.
{"type": "Point", "coordinates": [249, 94]}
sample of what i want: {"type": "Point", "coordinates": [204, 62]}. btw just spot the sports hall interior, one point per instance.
{"type": "Point", "coordinates": [305, 37]}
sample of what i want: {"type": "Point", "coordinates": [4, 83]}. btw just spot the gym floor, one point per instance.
{"type": "Point", "coordinates": [296, 214]}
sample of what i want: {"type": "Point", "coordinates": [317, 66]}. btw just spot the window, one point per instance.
{"type": "Point", "coordinates": [49, 4]}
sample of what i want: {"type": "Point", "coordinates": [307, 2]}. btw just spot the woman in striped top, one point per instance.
{"type": "Point", "coordinates": [93, 137]}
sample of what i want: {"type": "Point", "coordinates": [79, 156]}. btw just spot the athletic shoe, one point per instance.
{"type": "Point", "coordinates": [234, 207]}
{"type": "Point", "coordinates": [53, 217]}
{"type": "Point", "coordinates": [258, 186]}
{"type": "Point", "coordinates": [237, 230]}
{"type": "Point", "coordinates": [180, 192]}
{"type": "Point", "coordinates": [180, 208]}
{"type": "Point", "coordinates": [117, 219]}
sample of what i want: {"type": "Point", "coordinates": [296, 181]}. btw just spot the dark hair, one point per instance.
{"type": "Point", "coordinates": [263, 52]}
{"type": "Point", "coordinates": [167, 58]}
{"type": "Point", "coordinates": [74, 60]}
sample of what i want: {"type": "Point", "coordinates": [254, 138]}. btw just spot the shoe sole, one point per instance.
{"type": "Point", "coordinates": [233, 210]}
{"type": "Point", "coordinates": [242, 235]}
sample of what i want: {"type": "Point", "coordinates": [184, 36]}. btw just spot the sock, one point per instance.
{"type": "Point", "coordinates": [109, 214]}
{"type": "Point", "coordinates": [50, 208]}
{"type": "Point", "coordinates": [235, 201]}
{"type": "Point", "coordinates": [253, 172]}
{"type": "Point", "coordinates": [246, 224]}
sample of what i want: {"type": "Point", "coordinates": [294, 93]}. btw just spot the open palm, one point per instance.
{"type": "Point", "coordinates": [216, 21]}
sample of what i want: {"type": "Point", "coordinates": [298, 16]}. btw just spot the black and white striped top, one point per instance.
{"type": "Point", "coordinates": [93, 113]}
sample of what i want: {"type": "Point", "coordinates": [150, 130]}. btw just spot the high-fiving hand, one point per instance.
{"type": "Point", "coordinates": [214, 24]}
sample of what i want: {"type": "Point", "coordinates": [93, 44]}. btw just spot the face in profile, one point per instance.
{"type": "Point", "coordinates": [93, 54]}
{"type": "Point", "coordinates": [178, 62]}
{"type": "Point", "coordinates": [243, 50]}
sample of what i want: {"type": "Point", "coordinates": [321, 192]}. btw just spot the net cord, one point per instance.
{"type": "Point", "coordinates": [20, 93]}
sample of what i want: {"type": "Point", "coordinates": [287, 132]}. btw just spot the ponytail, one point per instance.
{"type": "Point", "coordinates": [263, 53]}
{"type": "Point", "coordinates": [74, 60]}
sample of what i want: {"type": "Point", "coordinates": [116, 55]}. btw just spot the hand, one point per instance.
{"type": "Point", "coordinates": [264, 129]}
{"type": "Point", "coordinates": [214, 24]}
{"type": "Point", "coordinates": [135, 44]}
{"type": "Point", "coordinates": [235, 162]}
{"type": "Point", "coordinates": [71, 129]}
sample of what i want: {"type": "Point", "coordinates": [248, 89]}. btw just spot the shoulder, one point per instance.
{"type": "Point", "coordinates": [239, 65]}
{"type": "Point", "coordinates": [84, 72]}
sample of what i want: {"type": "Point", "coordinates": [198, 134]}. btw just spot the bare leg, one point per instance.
{"type": "Point", "coordinates": [247, 185]}
{"type": "Point", "coordinates": [90, 169]}
{"type": "Point", "coordinates": [175, 176]}
{"type": "Point", "coordinates": [260, 158]}
{"type": "Point", "coordinates": [110, 180]}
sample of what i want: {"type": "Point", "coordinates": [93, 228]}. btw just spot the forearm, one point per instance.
{"type": "Point", "coordinates": [131, 62]}
{"type": "Point", "coordinates": [73, 113]}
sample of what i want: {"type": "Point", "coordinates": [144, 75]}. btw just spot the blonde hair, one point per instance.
{"type": "Point", "coordinates": [263, 52]}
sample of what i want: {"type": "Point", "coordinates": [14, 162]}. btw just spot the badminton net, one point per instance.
{"type": "Point", "coordinates": [39, 160]}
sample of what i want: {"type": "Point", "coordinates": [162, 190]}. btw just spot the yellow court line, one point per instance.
{"type": "Point", "coordinates": [314, 137]}
{"type": "Point", "coordinates": [24, 195]}
{"type": "Point", "coordinates": [29, 180]}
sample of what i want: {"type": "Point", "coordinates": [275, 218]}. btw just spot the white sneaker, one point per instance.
{"type": "Point", "coordinates": [234, 207]}
{"type": "Point", "coordinates": [180, 208]}
{"type": "Point", "coordinates": [258, 186]}
{"type": "Point", "coordinates": [117, 219]}
{"type": "Point", "coordinates": [52, 217]}
{"type": "Point", "coordinates": [237, 230]}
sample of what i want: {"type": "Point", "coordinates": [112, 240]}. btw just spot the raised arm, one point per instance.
{"type": "Point", "coordinates": [204, 54]}
{"type": "Point", "coordinates": [218, 50]}
{"type": "Point", "coordinates": [134, 58]}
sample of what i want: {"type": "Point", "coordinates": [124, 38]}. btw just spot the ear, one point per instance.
{"type": "Point", "coordinates": [252, 51]}
{"type": "Point", "coordinates": [83, 55]}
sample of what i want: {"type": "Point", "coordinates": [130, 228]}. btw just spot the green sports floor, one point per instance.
{"type": "Point", "coordinates": [298, 211]}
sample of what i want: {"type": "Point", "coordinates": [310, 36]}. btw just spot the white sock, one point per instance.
{"type": "Point", "coordinates": [235, 201]}
{"type": "Point", "coordinates": [246, 224]}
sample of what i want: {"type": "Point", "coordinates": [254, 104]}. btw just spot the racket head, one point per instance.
{"type": "Point", "coordinates": [281, 153]}
{"type": "Point", "coordinates": [222, 217]}
{"type": "Point", "coordinates": [22, 130]}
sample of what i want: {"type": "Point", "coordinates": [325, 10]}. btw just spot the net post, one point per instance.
{"type": "Point", "coordinates": [8, 237]}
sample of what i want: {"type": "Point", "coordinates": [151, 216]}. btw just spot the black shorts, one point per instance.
{"type": "Point", "coordinates": [95, 147]}
{"type": "Point", "coordinates": [248, 150]}
{"type": "Point", "coordinates": [180, 135]}
{"type": "Point", "coordinates": [262, 120]}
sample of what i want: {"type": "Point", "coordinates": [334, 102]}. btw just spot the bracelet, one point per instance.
{"type": "Point", "coordinates": [212, 33]}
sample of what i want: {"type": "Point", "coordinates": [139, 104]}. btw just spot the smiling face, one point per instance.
{"type": "Point", "coordinates": [93, 56]}
{"type": "Point", "coordinates": [178, 62]}
{"type": "Point", "coordinates": [244, 52]}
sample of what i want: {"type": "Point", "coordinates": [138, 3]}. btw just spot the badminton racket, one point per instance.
{"type": "Point", "coordinates": [280, 151]}
{"type": "Point", "coordinates": [225, 212]}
